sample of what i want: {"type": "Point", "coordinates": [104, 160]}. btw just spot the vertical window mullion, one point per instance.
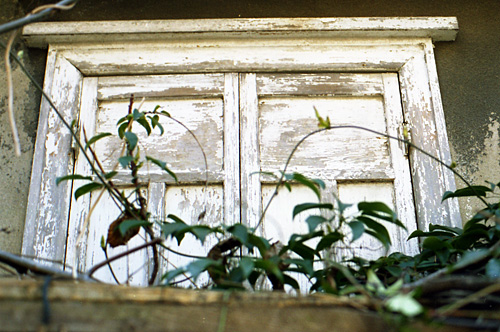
{"type": "Point", "coordinates": [231, 161]}
{"type": "Point", "coordinates": [251, 204]}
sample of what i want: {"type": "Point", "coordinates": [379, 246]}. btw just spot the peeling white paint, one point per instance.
{"type": "Point", "coordinates": [230, 105]}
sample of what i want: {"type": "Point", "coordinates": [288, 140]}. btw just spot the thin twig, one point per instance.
{"type": "Point", "coordinates": [448, 270]}
{"type": "Point", "coordinates": [10, 91]}
{"type": "Point", "coordinates": [22, 263]}
{"type": "Point", "coordinates": [8, 71]}
{"type": "Point", "coordinates": [180, 253]}
{"type": "Point", "coordinates": [280, 181]}
{"type": "Point", "coordinates": [205, 198]}
{"type": "Point", "coordinates": [65, 123]}
{"type": "Point", "coordinates": [105, 249]}
{"type": "Point", "coordinates": [123, 254]}
{"type": "Point", "coordinates": [468, 299]}
{"type": "Point", "coordinates": [187, 278]}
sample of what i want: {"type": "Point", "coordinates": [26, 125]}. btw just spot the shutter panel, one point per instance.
{"type": "Point", "coordinates": [355, 164]}
{"type": "Point", "coordinates": [272, 112]}
{"type": "Point", "coordinates": [201, 104]}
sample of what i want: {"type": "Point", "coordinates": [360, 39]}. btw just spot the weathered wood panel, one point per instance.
{"type": "Point", "coordinates": [367, 246]}
{"type": "Point", "coordinates": [337, 154]}
{"type": "Point", "coordinates": [442, 136]}
{"type": "Point", "coordinates": [154, 86]}
{"type": "Point", "coordinates": [437, 28]}
{"type": "Point", "coordinates": [404, 202]}
{"type": "Point", "coordinates": [250, 52]}
{"type": "Point", "coordinates": [196, 205]}
{"type": "Point", "coordinates": [232, 199]}
{"type": "Point", "coordinates": [177, 147]}
{"type": "Point", "coordinates": [330, 84]}
{"type": "Point", "coordinates": [428, 178]}
{"type": "Point", "coordinates": [48, 209]}
{"type": "Point", "coordinates": [251, 207]}
{"type": "Point", "coordinates": [241, 56]}
{"type": "Point", "coordinates": [95, 307]}
{"type": "Point", "coordinates": [77, 229]}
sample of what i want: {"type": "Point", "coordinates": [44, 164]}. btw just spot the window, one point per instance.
{"type": "Point", "coordinates": [247, 89]}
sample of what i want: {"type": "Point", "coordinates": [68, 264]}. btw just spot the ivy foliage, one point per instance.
{"type": "Point", "coordinates": [242, 258]}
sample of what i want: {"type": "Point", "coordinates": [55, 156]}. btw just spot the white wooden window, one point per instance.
{"type": "Point", "coordinates": [247, 89]}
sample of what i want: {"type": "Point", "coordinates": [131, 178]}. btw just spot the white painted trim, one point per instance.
{"type": "Point", "coordinates": [281, 51]}
{"type": "Point", "coordinates": [436, 28]}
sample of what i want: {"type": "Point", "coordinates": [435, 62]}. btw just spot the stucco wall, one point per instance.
{"type": "Point", "coordinates": [469, 72]}
{"type": "Point", "coordinates": [15, 171]}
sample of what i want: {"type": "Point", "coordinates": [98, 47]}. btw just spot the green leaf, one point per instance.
{"type": "Point", "coordinates": [291, 281]}
{"type": "Point", "coordinates": [72, 177]}
{"type": "Point", "coordinates": [405, 304]}
{"type": "Point", "coordinates": [435, 244]}
{"type": "Point", "coordinates": [87, 188]}
{"type": "Point", "coordinates": [169, 228]}
{"type": "Point", "coordinates": [125, 161]}
{"type": "Point", "coordinates": [155, 121]}
{"type": "Point", "coordinates": [419, 233]}
{"type": "Point", "coordinates": [125, 118]}
{"type": "Point", "coordinates": [373, 283]}
{"type": "Point", "coordinates": [132, 140]}
{"type": "Point", "coordinates": [131, 223]}
{"type": "Point", "coordinates": [327, 240]}
{"type": "Point", "coordinates": [314, 221]}
{"type": "Point", "coordinates": [171, 275]}
{"type": "Point", "coordinates": [302, 250]}
{"type": "Point", "coordinates": [305, 264]}
{"type": "Point", "coordinates": [493, 268]}
{"type": "Point", "coordinates": [453, 230]}
{"type": "Point", "coordinates": [136, 114]}
{"type": "Point", "coordinates": [96, 138]}
{"type": "Point", "coordinates": [394, 271]}
{"type": "Point", "coordinates": [240, 232]}
{"type": "Point", "coordinates": [261, 243]}
{"type": "Point", "coordinates": [470, 257]}
{"type": "Point", "coordinates": [175, 218]}
{"type": "Point", "coordinates": [163, 166]}
{"type": "Point", "coordinates": [177, 230]}
{"type": "Point", "coordinates": [246, 265]}
{"type": "Point", "coordinates": [143, 122]}
{"type": "Point", "coordinates": [394, 288]}
{"type": "Point", "coordinates": [109, 175]}
{"type": "Point", "coordinates": [322, 123]}
{"type": "Point", "coordinates": [357, 229]}
{"type": "Point", "coordinates": [165, 113]}
{"type": "Point", "coordinates": [270, 267]}
{"type": "Point", "coordinates": [314, 185]}
{"type": "Point", "coordinates": [200, 265]}
{"type": "Point", "coordinates": [301, 238]}
{"type": "Point", "coordinates": [121, 129]}
{"type": "Point", "coordinates": [375, 206]}
{"type": "Point", "coordinates": [379, 231]}
{"type": "Point", "coordinates": [308, 206]}
{"type": "Point", "coordinates": [468, 191]}
{"type": "Point", "coordinates": [201, 232]}
{"type": "Point", "coordinates": [379, 210]}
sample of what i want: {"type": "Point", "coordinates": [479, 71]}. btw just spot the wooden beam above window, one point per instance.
{"type": "Point", "coordinates": [437, 28]}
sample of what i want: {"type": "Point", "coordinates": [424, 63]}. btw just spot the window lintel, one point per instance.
{"type": "Point", "coordinates": [436, 28]}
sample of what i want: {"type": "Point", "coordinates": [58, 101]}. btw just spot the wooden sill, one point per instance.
{"type": "Point", "coordinates": [77, 306]}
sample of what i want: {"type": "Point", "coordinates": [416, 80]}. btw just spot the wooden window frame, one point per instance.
{"type": "Point", "coordinates": [81, 49]}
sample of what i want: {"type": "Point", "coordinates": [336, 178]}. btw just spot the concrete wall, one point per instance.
{"type": "Point", "coordinates": [469, 72]}
{"type": "Point", "coordinates": [15, 171]}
